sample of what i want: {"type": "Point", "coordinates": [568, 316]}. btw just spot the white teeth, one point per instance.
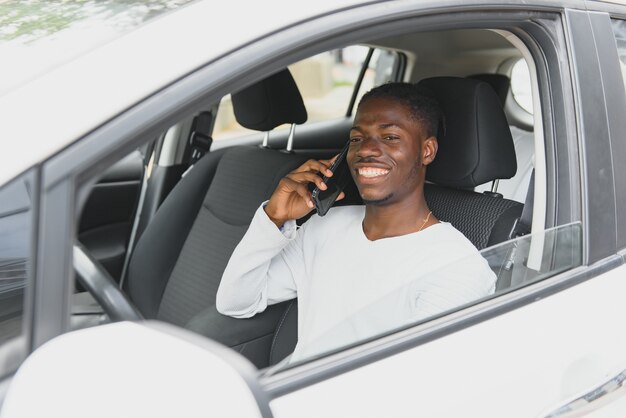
{"type": "Point", "coordinates": [372, 172]}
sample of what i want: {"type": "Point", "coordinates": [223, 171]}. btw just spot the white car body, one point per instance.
{"type": "Point", "coordinates": [58, 98]}
{"type": "Point", "coordinates": [519, 355]}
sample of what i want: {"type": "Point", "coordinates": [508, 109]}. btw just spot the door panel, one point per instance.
{"type": "Point", "coordinates": [525, 363]}
{"type": "Point", "coordinates": [108, 214]}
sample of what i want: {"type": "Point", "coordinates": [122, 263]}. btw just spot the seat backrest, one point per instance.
{"type": "Point", "coordinates": [514, 188]}
{"type": "Point", "coordinates": [269, 103]}
{"type": "Point", "coordinates": [476, 148]}
{"type": "Point", "coordinates": [178, 262]}
{"type": "Point", "coordinates": [500, 83]}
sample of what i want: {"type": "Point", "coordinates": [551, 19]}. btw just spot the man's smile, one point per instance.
{"type": "Point", "coordinates": [371, 172]}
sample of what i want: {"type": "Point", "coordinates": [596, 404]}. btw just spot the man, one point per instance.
{"type": "Point", "coordinates": [361, 270]}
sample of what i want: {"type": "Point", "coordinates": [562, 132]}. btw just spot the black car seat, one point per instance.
{"type": "Point", "coordinates": [500, 83]}
{"type": "Point", "coordinates": [524, 142]}
{"type": "Point", "coordinates": [476, 148]}
{"type": "Point", "coordinates": [178, 262]}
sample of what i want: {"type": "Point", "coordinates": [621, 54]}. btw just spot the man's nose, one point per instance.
{"type": "Point", "coordinates": [369, 147]}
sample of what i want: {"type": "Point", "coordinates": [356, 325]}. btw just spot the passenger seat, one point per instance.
{"type": "Point", "coordinates": [178, 262]}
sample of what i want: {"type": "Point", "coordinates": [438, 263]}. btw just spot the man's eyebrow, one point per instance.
{"type": "Point", "coordinates": [389, 125]}
{"type": "Point", "coordinates": [381, 126]}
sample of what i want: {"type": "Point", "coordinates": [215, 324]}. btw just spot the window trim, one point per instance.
{"type": "Point", "coordinates": [591, 31]}
{"type": "Point", "coordinates": [611, 65]}
{"type": "Point", "coordinates": [359, 81]}
{"type": "Point", "coordinates": [397, 73]}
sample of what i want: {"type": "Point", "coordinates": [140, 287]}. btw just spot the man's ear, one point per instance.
{"type": "Point", "coordinates": [429, 150]}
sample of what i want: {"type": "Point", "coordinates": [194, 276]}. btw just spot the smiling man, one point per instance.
{"type": "Point", "coordinates": [362, 270]}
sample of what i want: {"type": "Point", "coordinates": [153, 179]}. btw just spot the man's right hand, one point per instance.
{"type": "Point", "coordinates": [292, 198]}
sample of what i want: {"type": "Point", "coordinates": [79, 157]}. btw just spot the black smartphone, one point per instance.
{"type": "Point", "coordinates": [324, 199]}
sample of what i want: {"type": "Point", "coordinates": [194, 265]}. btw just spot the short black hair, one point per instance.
{"type": "Point", "coordinates": [424, 108]}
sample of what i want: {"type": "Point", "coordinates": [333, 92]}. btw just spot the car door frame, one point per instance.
{"type": "Point", "coordinates": [562, 202]}
{"type": "Point", "coordinates": [602, 235]}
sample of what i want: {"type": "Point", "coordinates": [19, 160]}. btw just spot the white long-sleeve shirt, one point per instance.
{"type": "Point", "coordinates": [348, 287]}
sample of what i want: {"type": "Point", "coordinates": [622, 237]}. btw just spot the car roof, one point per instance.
{"type": "Point", "coordinates": [50, 112]}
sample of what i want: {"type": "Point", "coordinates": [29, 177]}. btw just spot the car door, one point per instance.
{"type": "Point", "coordinates": [552, 350]}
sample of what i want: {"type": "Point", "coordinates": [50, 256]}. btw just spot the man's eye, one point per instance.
{"type": "Point", "coordinates": [355, 139]}
{"type": "Point", "coordinates": [390, 138]}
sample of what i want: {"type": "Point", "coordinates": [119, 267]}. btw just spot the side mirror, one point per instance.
{"type": "Point", "coordinates": [135, 369]}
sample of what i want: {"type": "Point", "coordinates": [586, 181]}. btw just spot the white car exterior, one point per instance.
{"type": "Point", "coordinates": [556, 348]}
{"type": "Point", "coordinates": [128, 65]}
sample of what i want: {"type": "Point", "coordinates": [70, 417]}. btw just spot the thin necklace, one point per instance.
{"type": "Point", "coordinates": [425, 221]}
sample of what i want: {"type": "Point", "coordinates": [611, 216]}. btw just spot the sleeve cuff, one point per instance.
{"type": "Point", "coordinates": [288, 230]}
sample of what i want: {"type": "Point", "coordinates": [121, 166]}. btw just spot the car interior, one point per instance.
{"type": "Point", "coordinates": [163, 222]}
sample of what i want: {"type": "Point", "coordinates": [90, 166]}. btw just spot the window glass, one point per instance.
{"type": "Point", "coordinates": [16, 223]}
{"type": "Point", "coordinates": [520, 85]}
{"type": "Point", "coordinates": [326, 82]}
{"type": "Point", "coordinates": [515, 264]}
{"type": "Point", "coordinates": [619, 30]}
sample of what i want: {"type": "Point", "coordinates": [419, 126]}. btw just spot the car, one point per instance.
{"type": "Point", "coordinates": [131, 167]}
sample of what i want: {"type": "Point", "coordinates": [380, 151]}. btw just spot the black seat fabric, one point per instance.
{"type": "Point", "coordinates": [483, 219]}
{"type": "Point", "coordinates": [477, 147]}
{"type": "Point", "coordinates": [160, 245]}
{"type": "Point", "coordinates": [178, 262]}
{"type": "Point", "coordinates": [269, 103]}
{"type": "Point", "coordinates": [500, 83]}
{"type": "Point", "coordinates": [244, 178]}
{"type": "Point", "coordinates": [286, 334]}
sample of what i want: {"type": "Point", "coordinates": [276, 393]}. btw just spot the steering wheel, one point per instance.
{"type": "Point", "coordinates": [102, 287]}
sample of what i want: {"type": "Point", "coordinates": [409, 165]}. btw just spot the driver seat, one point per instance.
{"type": "Point", "coordinates": [477, 147]}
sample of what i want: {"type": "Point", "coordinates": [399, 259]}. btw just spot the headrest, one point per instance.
{"type": "Point", "coordinates": [477, 146]}
{"type": "Point", "coordinates": [498, 82]}
{"type": "Point", "coordinates": [270, 103]}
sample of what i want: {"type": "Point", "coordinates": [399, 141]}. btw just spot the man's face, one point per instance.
{"type": "Point", "coordinates": [388, 151]}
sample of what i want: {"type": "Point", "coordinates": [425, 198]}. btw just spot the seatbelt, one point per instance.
{"type": "Point", "coordinates": [200, 139]}
{"type": "Point", "coordinates": [148, 151]}
{"type": "Point", "coordinates": [523, 224]}
{"type": "Point", "coordinates": [521, 227]}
